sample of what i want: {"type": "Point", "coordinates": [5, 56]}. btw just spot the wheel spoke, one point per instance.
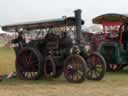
{"type": "Point", "coordinates": [75, 69]}
{"type": "Point", "coordinates": [96, 67]}
{"type": "Point", "coordinates": [27, 63]}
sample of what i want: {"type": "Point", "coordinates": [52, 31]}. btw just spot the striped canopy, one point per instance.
{"type": "Point", "coordinates": [110, 17]}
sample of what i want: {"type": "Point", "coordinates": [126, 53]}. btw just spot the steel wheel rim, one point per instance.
{"type": "Point", "coordinates": [27, 65]}
{"type": "Point", "coordinates": [95, 67]}
{"type": "Point", "coordinates": [74, 70]}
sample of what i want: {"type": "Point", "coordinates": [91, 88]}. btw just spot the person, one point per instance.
{"type": "Point", "coordinates": [125, 39]}
{"type": "Point", "coordinates": [19, 42]}
{"type": "Point", "coordinates": [66, 41]}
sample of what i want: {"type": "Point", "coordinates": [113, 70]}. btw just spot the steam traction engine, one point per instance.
{"type": "Point", "coordinates": [114, 40]}
{"type": "Point", "coordinates": [56, 48]}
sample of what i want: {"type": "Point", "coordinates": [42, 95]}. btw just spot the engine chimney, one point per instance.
{"type": "Point", "coordinates": [78, 24]}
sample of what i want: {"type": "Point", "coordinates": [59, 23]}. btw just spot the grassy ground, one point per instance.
{"type": "Point", "coordinates": [7, 60]}
{"type": "Point", "coordinates": [114, 84]}
{"type": "Point", "coordinates": [111, 85]}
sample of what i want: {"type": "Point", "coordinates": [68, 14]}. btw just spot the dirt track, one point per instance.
{"type": "Point", "coordinates": [112, 85]}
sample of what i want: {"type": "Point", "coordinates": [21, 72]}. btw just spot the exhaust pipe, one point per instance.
{"type": "Point", "coordinates": [78, 24]}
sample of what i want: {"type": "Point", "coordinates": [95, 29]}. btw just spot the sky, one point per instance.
{"type": "Point", "coordinates": [15, 11]}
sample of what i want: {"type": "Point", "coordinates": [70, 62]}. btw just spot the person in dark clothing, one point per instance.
{"type": "Point", "coordinates": [66, 41]}
{"type": "Point", "coordinates": [19, 42]}
{"type": "Point", "coordinates": [125, 38]}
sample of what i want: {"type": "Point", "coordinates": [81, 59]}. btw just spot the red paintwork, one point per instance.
{"type": "Point", "coordinates": [112, 24]}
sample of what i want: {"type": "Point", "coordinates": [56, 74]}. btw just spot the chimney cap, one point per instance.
{"type": "Point", "coordinates": [77, 10]}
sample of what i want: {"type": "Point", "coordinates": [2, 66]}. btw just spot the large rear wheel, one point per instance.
{"type": "Point", "coordinates": [29, 64]}
{"type": "Point", "coordinates": [50, 68]}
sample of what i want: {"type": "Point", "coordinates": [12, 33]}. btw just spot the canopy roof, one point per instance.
{"type": "Point", "coordinates": [110, 17]}
{"type": "Point", "coordinates": [60, 22]}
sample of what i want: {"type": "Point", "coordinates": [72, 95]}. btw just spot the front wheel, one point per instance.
{"type": "Point", "coordinates": [96, 66]}
{"type": "Point", "coordinates": [74, 69]}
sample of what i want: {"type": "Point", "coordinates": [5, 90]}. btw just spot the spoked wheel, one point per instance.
{"type": "Point", "coordinates": [50, 68]}
{"type": "Point", "coordinates": [115, 67]}
{"type": "Point", "coordinates": [29, 64]}
{"type": "Point", "coordinates": [74, 69]}
{"type": "Point", "coordinates": [96, 66]}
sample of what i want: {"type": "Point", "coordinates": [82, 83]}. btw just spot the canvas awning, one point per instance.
{"type": "Point", "coordinates": [110, 17]}
{"type": "Point", "coordinates": [68, 21]}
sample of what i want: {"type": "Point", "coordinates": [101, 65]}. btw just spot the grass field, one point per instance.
{"type": "Point", "coordinates": [111, 85]}
{"type": "Point", "coordinates": [114, 84]}
{"type": "Point", "coordinates": [7, 60]}
{"type": "Point", "coordinates": [2, 42]}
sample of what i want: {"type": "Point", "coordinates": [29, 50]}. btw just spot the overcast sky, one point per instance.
{"type": "Point", "coordinates": [12, 11]}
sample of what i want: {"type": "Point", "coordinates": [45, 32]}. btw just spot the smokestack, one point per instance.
{"type": "Point", "coordinates": [78, 24]}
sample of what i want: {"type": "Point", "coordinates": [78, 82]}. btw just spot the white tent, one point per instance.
{"type": "Point", "coordinates": [6, 33]}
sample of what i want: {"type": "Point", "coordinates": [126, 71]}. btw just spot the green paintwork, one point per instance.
{"type": "Point", "coordinates": [36, 43]}
{"type": "Point", "coordinates": [113, 53]}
